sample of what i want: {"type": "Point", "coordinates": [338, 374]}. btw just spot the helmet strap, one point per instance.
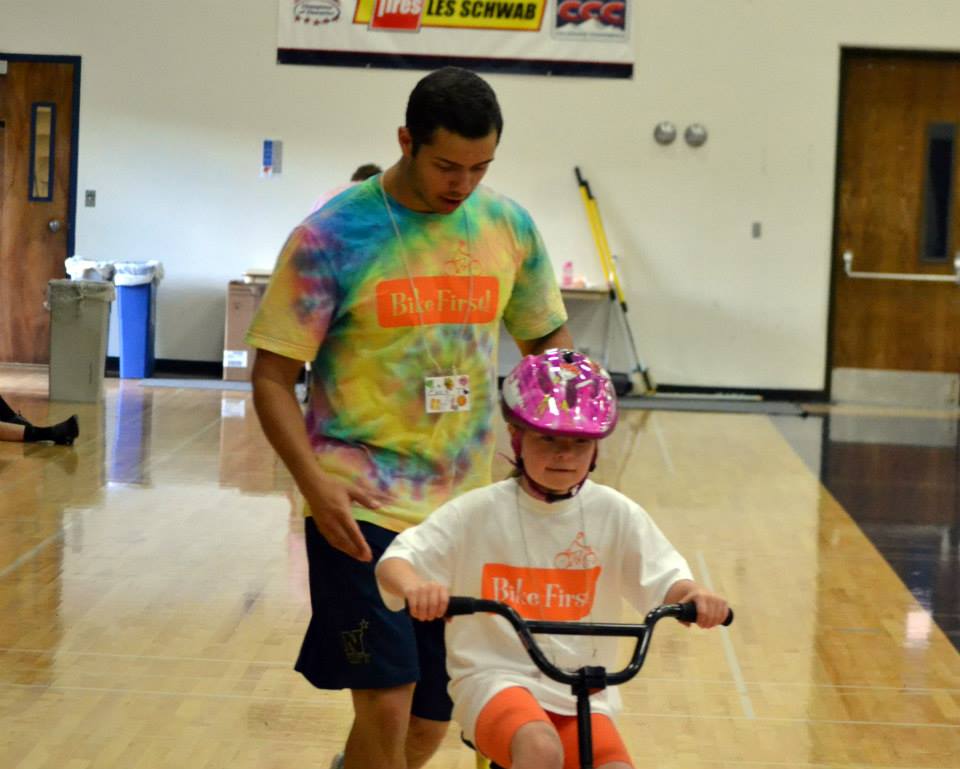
{"type": "Point", "coordinates": [542, 492]}
{"type": "Point", "coordinates": [547, 495]}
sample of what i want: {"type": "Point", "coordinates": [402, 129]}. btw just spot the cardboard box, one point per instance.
{"type": "Point", "coordinates": [243, 299]}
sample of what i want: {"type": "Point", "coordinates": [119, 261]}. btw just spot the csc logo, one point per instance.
{"type": "Point", "coordinates": [610, 13]}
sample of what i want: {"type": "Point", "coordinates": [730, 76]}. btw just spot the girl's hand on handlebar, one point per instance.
{"type": "Point", "coordinates": [427, 601]}
{"type": "Point", "coordinates": [712, 609]}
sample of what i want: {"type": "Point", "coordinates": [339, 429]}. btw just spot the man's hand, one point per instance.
{"type": "Point", "coordinates": [274, 395]}
{"type": "Point", "coordinates": [330, 504]}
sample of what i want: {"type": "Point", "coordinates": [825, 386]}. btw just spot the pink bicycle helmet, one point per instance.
{"type": "Point", "coordinates": [560, 392]}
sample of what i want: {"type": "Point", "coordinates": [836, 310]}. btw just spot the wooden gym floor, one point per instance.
{"type": "Point", "coordinates": [153, 590]}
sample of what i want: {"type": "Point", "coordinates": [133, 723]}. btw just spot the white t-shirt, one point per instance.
{"type": "Point", "coordinates": [570, 560]}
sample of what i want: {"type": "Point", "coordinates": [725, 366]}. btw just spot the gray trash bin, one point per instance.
{"type": "Point", "coordinates": [79, 317]}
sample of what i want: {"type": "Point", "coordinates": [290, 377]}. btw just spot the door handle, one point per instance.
{"type": "Point", "coordinates": [851, 273]}
{"type": "Point", "coordinates": [54, 225]}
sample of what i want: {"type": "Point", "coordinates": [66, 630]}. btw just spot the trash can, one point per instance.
{"type": "Point", "coordinates": [79, 268]}
{"type": "Point", "coordinates": [137, 308]}
{"type": "Point", "coordinates": [79, 316]}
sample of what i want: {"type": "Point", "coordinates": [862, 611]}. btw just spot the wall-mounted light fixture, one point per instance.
{"type": "Point", "coordinates": [665, 132]}
{"type": "Point", "coordinates": [695, 135]}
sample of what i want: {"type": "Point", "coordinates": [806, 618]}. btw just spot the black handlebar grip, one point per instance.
{"type": "Point", "coordinates": [461, 605]}
{"type": "Point", "coordinates": [689, 614]}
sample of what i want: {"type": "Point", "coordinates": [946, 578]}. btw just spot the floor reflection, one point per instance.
{"type": "Point", "coordinates": [898, 476]}
{"type": "Point", "coordinates": [128, 461]}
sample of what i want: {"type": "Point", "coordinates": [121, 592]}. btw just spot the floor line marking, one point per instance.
{"type": "Point", "coordinates": [662, 443]}
{"type": "Point", "coordinates": [679, 680]}
{"type": "Point", "coordinates": [321, 703]}
{"type": "Point", "coordinates": [35, 550]}
{"type": "Point", "coordinates": [728, 649]}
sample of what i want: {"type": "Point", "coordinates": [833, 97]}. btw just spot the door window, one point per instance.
{"type": "Point", "coordinates": [937, 192]}
{"type": "Point", "coordinates": [42, 125]}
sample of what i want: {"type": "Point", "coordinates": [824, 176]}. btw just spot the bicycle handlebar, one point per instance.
{"type": "Point", "coordinates": [683, 612]}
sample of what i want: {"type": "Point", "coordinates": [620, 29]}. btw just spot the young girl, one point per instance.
{"type": "Point", "coordinates": [553, 545]}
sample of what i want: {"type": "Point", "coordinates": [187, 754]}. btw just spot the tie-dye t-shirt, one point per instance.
{"type": "Point", "coordinates": [376, 315]}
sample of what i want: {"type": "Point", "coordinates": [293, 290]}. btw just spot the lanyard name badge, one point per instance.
{"type": "Point", "coordinates": [447, 393]}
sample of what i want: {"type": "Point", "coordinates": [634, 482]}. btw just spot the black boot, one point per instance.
{"type": "Point", "coordinates": [7, 414]}
{"type": "Point", "coordinates": [63, 433]}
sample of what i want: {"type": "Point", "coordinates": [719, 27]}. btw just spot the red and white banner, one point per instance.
{"type": "Point", "coordinates": [558, 37]}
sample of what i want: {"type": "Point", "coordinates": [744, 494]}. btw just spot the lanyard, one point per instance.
{"type": "Point", "coordinates": [553, 643]}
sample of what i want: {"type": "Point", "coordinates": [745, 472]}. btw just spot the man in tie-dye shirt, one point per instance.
{"type": "Point", "coordinates": [395, 290]}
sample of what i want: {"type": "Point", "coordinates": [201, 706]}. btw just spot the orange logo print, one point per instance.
{"type": "Point", "coordinates": [578, 556]}
{"type": "Point", "coordinates": [437, 299]}
{"type": "Point", "coordinates": [548, 594]}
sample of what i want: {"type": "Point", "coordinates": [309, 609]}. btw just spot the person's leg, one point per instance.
{"type": "Point", "coordinates": [11, 432]}
{"type": "Point", "coordinates": [609, 752]}
{"type": "Point", "coordinates": [63, 433]}
{"type": "Point", "coordinates": [514, 731]}
{"type": "Point", "coordinates": [432, 707]}
{"type": "Point", "coordinates": [354, 642]}
{"type": "Point", "coordinates": [383, 731]}
{"type": "Point", "coordinates": [14, 427]}
{"type": "Point", "coordinates": [379, 732]}
{"type": "Point", "coordinates": [536, 746]}
{"type": "Point", "coordinates": [423, 738]}
{"type": "Point", "coordinates": [7, 414]}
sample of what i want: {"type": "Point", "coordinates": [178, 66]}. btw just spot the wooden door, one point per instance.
{"type": "Point", "coordinates": [898, 212]}
{"type": "Point", "coordinates": [37, 194]}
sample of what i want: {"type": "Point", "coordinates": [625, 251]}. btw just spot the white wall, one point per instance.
{"type": "Point", "coordinates": [176, 97]}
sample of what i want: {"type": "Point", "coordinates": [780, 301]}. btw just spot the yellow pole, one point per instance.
{"type": "Point", "coordinates": [607, 254]}
{"type": "Point", "coordinates": [607, 263]}
{"type": "Point", "coordinates": [592, 220]}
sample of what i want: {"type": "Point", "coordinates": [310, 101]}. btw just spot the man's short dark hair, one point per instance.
{"type": "Point", "coordinates": [365, 172]}
{"type": "Point", "coordinates": [456, 99]}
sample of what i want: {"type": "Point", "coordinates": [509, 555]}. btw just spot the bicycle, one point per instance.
{"type": "Point", "coordinates": [587, 679]}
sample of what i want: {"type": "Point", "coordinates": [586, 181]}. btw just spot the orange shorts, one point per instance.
{"type": "Point", "coordinates": [512, 708]}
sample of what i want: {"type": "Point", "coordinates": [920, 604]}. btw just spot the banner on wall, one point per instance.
{"type": "Point", "coordinates": [550, 37]}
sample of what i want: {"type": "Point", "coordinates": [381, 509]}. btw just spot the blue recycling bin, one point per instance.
{"type": "Point", "coordinates": [137, 308]}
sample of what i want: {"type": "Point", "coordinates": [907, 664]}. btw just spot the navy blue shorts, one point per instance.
{"type": "Point", "coordinates": [355, 642]}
